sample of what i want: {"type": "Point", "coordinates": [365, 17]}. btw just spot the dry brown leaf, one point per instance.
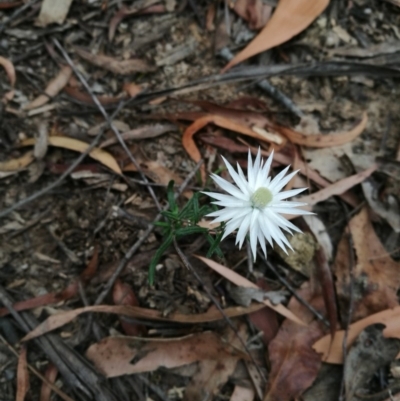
{"type": "Point", "coordinates": [294, 363]}
{"type": "Point", "coordinates": [148, 7]}
{"type": "Point", "coordinates": [17, 164]}
{"type": "Point", "coordinates": [22, 376]}
{"type": "Point", "coordinates": [337, 188]}
{"type": "Point", "coordinates": [120, 67]}
{"type": "Point", "coordinates": [123, 295]}
{"type": "Point", "coordinates": [54, 87]}
{"type": "Point", "coordinates": [10, 4]}
{"type": "Point", "coordinates": [213, 373]}
{"type": "Point", "coordinates": [10, 70]}
{"type": "Point", "coordinates": [74, 144]}
{"type": "Point", "coordinates": [53, 12]}
{"type": "Point", "coordinates": [55, 321]}
{"type": "Point", "coordinates": [86, 98]}
{"type": "Point", "coordinates": [324, 140]}
{"type": "Point", "coordinates": [147, 131]}
{"type": "Point", "coordinates": [116, 356]}
{"type": "Point", "coordinates": [375, 274]}
{"type": "Point", "coordinates": [240, 281]}
{"type": "Point", "coordinates": [290, 18]}
{"type": "Point", "coordinates": [255, 12]}
{"type": "Point", "coordinates": [51, 375]}
{"type": "Point", "coordinates": [332, 350]}
{"type": "Point", "coordinates": [132, 89]}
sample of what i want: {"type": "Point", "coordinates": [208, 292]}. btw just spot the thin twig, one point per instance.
{"type": "Point", "coordinates": [141, 240]}
{"type": "Point", "coordinates": [16, 13]}
{"type": "Point", "coordinates": [190, 267]}
{"type": "Point", "coordinates": [266, 86]}
{"type": "Point", "coordinates": [53, 387]}
{"type": "Point", "coordinates": [293, 291]}
{"type": "Point", "coordinates": [351, 304]}
{"type": "Point", "coordinates": [108, 120]}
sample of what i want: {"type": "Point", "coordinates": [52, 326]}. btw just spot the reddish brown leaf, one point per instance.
{"type": "Point", "coordinates": [116, 356]}
{"type": "Point", "coordinates": [51, 375]}
{"type": "Point", "coordinates": [22, 376]}
{"type": "Point", "coordinates": [213, 373]}
{"type": "Point", "coordinates": [55, 321]}
{"type": "Point", "coordinates": [119, 67]}
{"type": "Point", "coordinates": [10, 4]}
{"type": "Point", "coordinates": [54, 87]}
{"type": "Point", "coordinates": [149, 7]}
{"type": "Point", "coordinates": [190, 145]}
{"type": "Point", "coordinates": [255, 12]}
{"type": "Point", "coordinates": [265, 320]}
{"type": "Point", "coordinates": [124, 295]}
{"type": "Point", "coordinates": [294, 363]}
{"type": "Point", "coordinates": [85, 97]}
{"type": "Point", "coordinates": [9, 68]}
{"type": "Point", "coordinates": [376, 274]}
{"type": "Point", "coordinates": [290, 18]}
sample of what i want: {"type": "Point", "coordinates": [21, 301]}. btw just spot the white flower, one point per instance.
{"type": "Point", "coordinates": [255, 205]}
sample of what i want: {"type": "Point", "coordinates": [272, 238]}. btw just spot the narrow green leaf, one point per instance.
{"type": "Point", "coordinates": [164, 246]}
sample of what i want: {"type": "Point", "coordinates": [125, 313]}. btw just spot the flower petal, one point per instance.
{"type": "Point", "coordinates": [243, 229]}
{"type": "Point", "coordinates": [288, 194]}
{"type": "Point", "coordinates": [239, 181]}
{"type": "Point", "coordinates": [279, 185]}
{"type": "Point", "coordinates": [254, 232]}
{"type": "Point", "coordinates": [228, 187]}
{"type": "Point", "coordinates": [262, 177]}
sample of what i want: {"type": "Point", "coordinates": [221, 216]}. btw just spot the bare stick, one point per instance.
{"type": "Point", "coordinates": [189, 266]}
{"type": "Point", "coordinates": [108, 120]}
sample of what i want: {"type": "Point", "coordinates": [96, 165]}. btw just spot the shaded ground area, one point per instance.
{"type": "Point", "coordinates": [77, 223]}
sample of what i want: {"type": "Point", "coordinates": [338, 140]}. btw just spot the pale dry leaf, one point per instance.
{"type": "Point", "coordinates": [320, 232]}
{"type": "Point", "coordinates": [40, 148]}
{"type": "Point", "coordinates": [375, 274]}
{"type": "Point", "coordinates": [242, 394]}
{"type": "Point", "coordinates": [74, 144]}
{"type": "Point", "coordinates": [14, 165]}
{"type": "Point", "coordinates": [116, 356]}
{"type": "Point", "coordinates": [337, 188]}
{"type": "Point", "coordinates": [213, 373]}
{"type": "Point", "coordinates": [53, 88]}
{"type": "Point", "coordinates": [53, 12]}
{"type": "Point", "coordinates": [55, 321]}
{"type": "Point", "coordinates": [239, 280]}
{"type": "Point", "coordinates": [290, 18]}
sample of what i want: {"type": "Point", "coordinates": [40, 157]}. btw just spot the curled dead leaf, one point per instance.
{"type": "Point", "coordinates": [53, 88]}
{"type": "Point", "coordinates": [10, 70]}
{"type": "Point", "coordinates": [324, 140]}
{"type": "Point", "coordinates": [17, 164]}
{"type": "Point", "coordinates": [119, 67]}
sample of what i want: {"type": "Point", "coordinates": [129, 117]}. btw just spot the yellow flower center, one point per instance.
{"type": "Point", "coordinates": [261, 198]}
